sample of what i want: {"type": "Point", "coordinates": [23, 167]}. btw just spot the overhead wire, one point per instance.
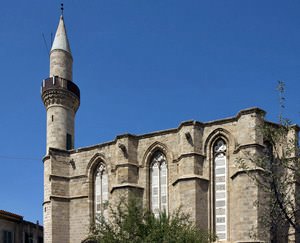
{"type": "Point", "coordinates": [18, 158]}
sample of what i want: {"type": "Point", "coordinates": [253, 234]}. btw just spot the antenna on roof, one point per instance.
{"type": "Point", "coordinates": [62, 9]}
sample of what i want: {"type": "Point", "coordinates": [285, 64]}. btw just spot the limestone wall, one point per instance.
{"type": "Point", "coordinates": [60, 122]}
{"type": "Point", "coordinates": [189, 154]}
{"type": "Point", "coordinates": [61, 64]}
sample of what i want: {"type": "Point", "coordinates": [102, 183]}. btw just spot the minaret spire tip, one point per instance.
{"type": "Point", "coordinates": [62, 9]}
{"type": "Point", "coordinates": [61, 40]}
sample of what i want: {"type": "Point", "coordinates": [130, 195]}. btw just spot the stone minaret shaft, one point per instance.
{"type": "Point", "coordinates": [60, 95]}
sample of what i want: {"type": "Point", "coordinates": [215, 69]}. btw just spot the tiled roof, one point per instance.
{"type": "Point", "coordinates": [6, 214]}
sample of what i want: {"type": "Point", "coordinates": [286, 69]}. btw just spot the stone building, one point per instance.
{"type": "Point", "coordinates": [192, 166]}
{"type": "Point", "coordinates": [14, 229]}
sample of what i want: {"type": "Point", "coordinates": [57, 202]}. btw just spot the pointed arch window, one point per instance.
{"type": "Point", "coordinates": [220, 189]}
{"type": "Point", "coordinates": [159, 183]}
{"type": "Point", "coordinates": [101, 191]}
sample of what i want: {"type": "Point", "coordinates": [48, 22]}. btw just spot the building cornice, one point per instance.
{"type": "Point", "coordinates": [126, 185]}
{"type": "Point", "coordinates": [66, 178]}
{"type": "Point", "coordinates": [189, 178]}
{"type": "Point", "coordinates": [67, 198]}
{"type": "Point", "coordinates": [246, 146]}
{"type": "Point", "coordinates": [245, 171]}
{"type": "Point", "coordinates": [188, 155]}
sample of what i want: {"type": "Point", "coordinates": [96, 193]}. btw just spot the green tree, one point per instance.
{"type": "Point", "coordinates": [278, 176]}
{"type": "Point", "coordinates": [130, 223]}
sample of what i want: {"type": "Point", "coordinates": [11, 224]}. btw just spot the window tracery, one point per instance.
{"type": "Point", "coordinates": [220, 186]}
{"type": "Point", "coordinates": [158, 183]}
{"type": "Point", "coordinates": [101, 191]}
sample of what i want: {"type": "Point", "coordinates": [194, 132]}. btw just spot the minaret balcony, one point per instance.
{"type": "Point", "coordinates": [56, 82]}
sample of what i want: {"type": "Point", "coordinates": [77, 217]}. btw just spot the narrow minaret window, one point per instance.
{"type": "Point", "coordinates": [69, 144]}
{"type": "Point", "coordinates": [220, 185]}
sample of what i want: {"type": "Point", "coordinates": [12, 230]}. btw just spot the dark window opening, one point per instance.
{"type": "Point", "coordinates": [69, 144]}
{"type": "Point", "coordinates": [7, 236]}
{"type": "Point", "coordinates": [28, 238]}
{"type": "Point", "coordinates": [40, 239]}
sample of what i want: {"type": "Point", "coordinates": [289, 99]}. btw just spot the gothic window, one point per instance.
{"type": "Point", "coordinates": [159, 183]}
{"type": "Point", "coordinates": [220, 185]}
{"type": "Point", "coordinates": [101, 191]}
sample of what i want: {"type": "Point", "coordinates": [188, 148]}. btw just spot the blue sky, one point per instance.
{"type": "Point", "coordinates": [142, 66]}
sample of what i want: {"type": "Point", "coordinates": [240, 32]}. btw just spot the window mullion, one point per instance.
{"type": "Point", "coordinates": [158, 183]}
{"type": "Point", "coordinates": [220, 184]}
{"type": "Point", "coordinates": [159, 188]}
{"type": "Point", "coordinates": [101, 193]}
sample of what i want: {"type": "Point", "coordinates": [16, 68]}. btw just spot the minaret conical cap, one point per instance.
{"type": "Point", "coordinates": [61, 41]}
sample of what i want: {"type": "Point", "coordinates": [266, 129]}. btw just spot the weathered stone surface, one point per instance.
{"type": "Point", "coordinates": [69, 187]}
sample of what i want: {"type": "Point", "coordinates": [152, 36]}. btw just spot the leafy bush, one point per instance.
{"type": "Point", "coordinates": [130, 223]}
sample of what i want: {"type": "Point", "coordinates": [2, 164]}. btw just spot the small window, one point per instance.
{"type": "Point", "coordinates": [28, 238]}
{"type": "Point", "coordinates": [69, 144]}
{"type": "Point", "coordinates": [7, 236]}
{"type": "Point", "coordinates": [40, 239]}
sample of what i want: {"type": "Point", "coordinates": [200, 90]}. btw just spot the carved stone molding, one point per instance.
{"type": "Point", "coordinates": [60, 97]}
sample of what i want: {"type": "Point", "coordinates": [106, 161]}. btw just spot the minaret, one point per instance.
{"type": "Point", "coordinates": [60, 95]}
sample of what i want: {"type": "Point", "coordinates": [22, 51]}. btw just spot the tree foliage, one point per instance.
{"type": "Point", "coordinates": [278, 168]}
{"type": "Point", "coordinates": [130, 223]}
